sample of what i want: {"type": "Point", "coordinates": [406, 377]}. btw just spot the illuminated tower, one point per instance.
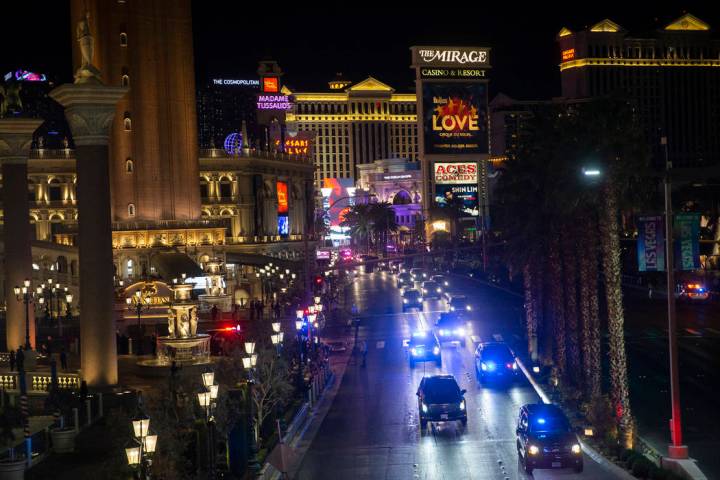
{"type": "Point", "coordinates": [147, 46]}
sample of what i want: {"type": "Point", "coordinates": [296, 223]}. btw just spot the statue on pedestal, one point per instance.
{"type": "Point", "coordinates": [87, 73]}
{"type": "Point", "coordinates": [184, 326]}
{"type": "Point", "coordinates": [171, 323]}
{"type": "Point", "coordinates": [193, 322]}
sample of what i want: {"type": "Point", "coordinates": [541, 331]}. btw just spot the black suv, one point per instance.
{"type": "Point", "coordinates": [546, 440]}
{"type": "Point", "coordinates": [424, 347]}
{"type": "Point", "coordinates": [441, 400]}
{"type": "Point", "coordinates": [411, 298]}
{"type": "Point", "coordinates": [431, 289]}
{"type": "Point", "coordinates": [495, 360]}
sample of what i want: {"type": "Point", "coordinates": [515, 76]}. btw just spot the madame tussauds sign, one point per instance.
{"type": "Point", "coordinates": [451, 56]}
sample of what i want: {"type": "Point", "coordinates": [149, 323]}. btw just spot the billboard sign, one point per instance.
{"type": "Point", "coordinates": [451, 56]}
{"type": "Point", "coordinates": [445, 73]}
{"type": "Point", "coordinates": [688, 227]}
{"type": "Point", "coordinates": [455, 117]}
{"type": "Point", "coordinates": [456, 173]}
{"type": "Point", "coordinates": [273, 102]}
{"type": "Point", "coordinates": [283, 225]}
{"type": "Point", "coordinates": [651, 244]}
{"type": "Point", "coordinates": [270, 84]}
{"type": "Point", "coordinates": [337, 203]}
{"type": "Point", "coordinates": [462, 197]}
{"type": "Point", "coordinates": [282, 197]}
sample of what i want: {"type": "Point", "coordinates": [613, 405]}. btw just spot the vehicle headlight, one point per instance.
{"type": "Point", "coordinates": [443, 332]}
{"type": "Point", "coordinates": [424, 408]}
{"type": "Point", "coordinates": [468, 307]}
{"type": "Point", "coordinates": [462, 404]}
{"type": "Point", "coordinates": [483, 367]}
{"type": "Point", "coordinates": [447, 284]}
{"type": "Point", "coordinates": [514, 366]}
{"type": "Point", "coordinates": [452, 309]}
{"type": "Point", "coordinates": [419, 299]}
{"type": "Point", "coordinates": [424, 290]}
{"type": "Point", "coordinates": [413, 351]}
{"type": "Point", "coordinates": [404, 300]}
{"type": "Point", "coordinates": [533, 450]}
{"type": "Point", "coordinates": [460, 332]}
{"type": "Point", "coordinates": [436, 350]}
{"type": "Point", "coordinates": [576, 448]}
{"type": "Point", "coordinates": [438, 290]}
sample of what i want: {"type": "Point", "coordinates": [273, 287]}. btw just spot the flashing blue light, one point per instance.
{"type": "Point", "coordinates": [541, 421]}
{"type": "Point", "coordinates": [419, 334]}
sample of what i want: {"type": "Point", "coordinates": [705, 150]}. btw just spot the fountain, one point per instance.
{"type": "Point", "coordinates": [183, 345]}
{"type": "Point", "coordinates": [214, 290]}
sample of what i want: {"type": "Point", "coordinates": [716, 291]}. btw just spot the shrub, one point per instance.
{"type": "Point", "coordinates": [625, 454]}
{"type": "Point", "coordinates": [657, 473]}
{"type": "Point", "coordinates": [641, 467]}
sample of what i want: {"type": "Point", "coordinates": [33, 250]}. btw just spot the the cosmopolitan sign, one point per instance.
{"type": "Point", "coordinates": [236, 81]}
{"type": "Point", "coordinates": [456, 173]}
{"type": "Point", "coordinates": [451, 56]}
{"type": "Point", "coordinates": [273, 102]}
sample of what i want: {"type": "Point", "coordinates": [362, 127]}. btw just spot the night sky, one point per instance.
{"type": "Point", "coordinates": [358, 39]}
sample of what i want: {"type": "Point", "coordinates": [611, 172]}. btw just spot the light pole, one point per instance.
{"type": "Point", "coordinates": [207, 400]}
{"type": "Point", "coordinates": [249, 364]}
{"type": "Point", "coordinates": [25, 295]}
{"type": "Point", "coordinates": [676, 450]}
{"type": "Point", "coordinates": [277, 337]}
{"type": "Point", "coordinates": [139, 457]}
{"type": "Point", "coordinates": [68, 303]}
{"type": "Point", "coordinates": [138, 304]}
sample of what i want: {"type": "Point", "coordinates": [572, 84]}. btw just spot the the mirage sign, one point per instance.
{"type": "Point", "coordinates": [451, 56]}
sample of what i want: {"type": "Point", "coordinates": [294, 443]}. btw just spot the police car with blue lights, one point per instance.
{"type": "Point", "coordinates": [451, 327]}
{"type": "Point", "coordinates": [545, 439]}
{"type": "Point", "coordinates": [495, 360]}
{"type": "Point", "coordinates": [424, 347]}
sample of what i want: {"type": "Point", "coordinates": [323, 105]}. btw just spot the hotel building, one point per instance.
{"type": "Point", "coordinates": [355, 124]}
{"type": "Point", "coordinates": [672, 75]}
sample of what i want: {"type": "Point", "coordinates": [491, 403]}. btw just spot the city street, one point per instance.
{"type": "Point", "coordinates": [372, 429]}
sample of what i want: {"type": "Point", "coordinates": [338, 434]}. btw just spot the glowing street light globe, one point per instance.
{"type": "Point", "coordinates": [233, 143]}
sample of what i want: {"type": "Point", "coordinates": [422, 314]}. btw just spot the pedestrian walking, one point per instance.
{"type": "Point", "coordinates": [650, 290]}
{"type": "Point", "coordinates": [63, 359]}
{"type": "Point", "coordinates": [364, 349]}
{"type": "Point", "coordinates": [12, 360]}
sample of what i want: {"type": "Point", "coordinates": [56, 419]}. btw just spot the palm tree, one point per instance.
{"type": "Point", "coordinates": [359, 221]}
{"type": "Point", "coordinates": [586, 250]}
{"type": "Point", "coordinates": [383, 222]}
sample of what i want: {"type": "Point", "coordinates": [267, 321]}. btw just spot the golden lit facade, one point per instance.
{"type": "Point", "coordinates": [239, 205]}
{"type": "Point", "coordinates": [672, 77]}
{"type": "Point", "coordinates": [354, 125]}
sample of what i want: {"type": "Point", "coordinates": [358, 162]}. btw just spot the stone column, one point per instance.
{"type": "Point", "coordinates": [15, 140]}
{"type": "Point", "coordinates": [89, 109]}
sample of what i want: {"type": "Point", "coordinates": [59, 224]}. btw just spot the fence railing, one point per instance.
{"type": "Point", "coordinates": [38, 382]}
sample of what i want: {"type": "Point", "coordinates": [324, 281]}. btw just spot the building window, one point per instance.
{"type": "Point", "coordinates": [131, 209]}
{"type": "Point", "coordinates": [129, 166]}
{"type": "Point", "coordinates": [54, 190]}
{"type": "Point", "coordinates": [123, 39]}
{"type": "Point", "coordinates": [130, 266]}
{"type": "Point", "coordinates": [127, 122]}
{"type": "Point", "coordinates": [125, 81]}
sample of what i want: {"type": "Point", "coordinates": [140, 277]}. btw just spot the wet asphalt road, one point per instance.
{"type": "Point", "coordinates": [372, 430]}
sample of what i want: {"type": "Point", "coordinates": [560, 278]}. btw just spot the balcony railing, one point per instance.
{"type": "Point", "coordinates": [50, 153]}
{"type": "Point", "coordinates": [271, 155]}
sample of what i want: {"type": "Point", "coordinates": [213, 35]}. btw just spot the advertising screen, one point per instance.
{"type": "Point", "coordinates": [456, 172]}
{"type": "Point", "coordinates": [282, 197]}
{"type": "Point", "coordinates": [463, 197]}
{"type": "Point", "coordinates": [270, 85]}
{"type": "Point", "coordinates": [283, 225]}
{"type": "Point", "coordinates": [455, 118]}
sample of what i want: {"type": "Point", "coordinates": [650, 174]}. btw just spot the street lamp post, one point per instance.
{"type": "Point", "coordinates": [249, 364]}
{"type": "Point", "coordinates": [676, 450]}
{"type": "Point", "coordinates": [139, 457]}
{"type": "Point", "coordinates": [138, 304]}
{"type": "Point", "coordinates": [25, 295]}
{"type": "Point", "coordinates": [207, 401]}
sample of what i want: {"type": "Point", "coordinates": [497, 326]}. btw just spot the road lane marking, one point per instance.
{"type": "Point", "coordinates": [380, 344]}
{"type": "Point", "coordinates": [498, 337]}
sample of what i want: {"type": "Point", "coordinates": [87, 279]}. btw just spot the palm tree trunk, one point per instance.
{"type": "Point", "coordinates": [557, 304]}
{"type": "Point", "coordinates": [569, 241]}
{"type": "Point", "coordinates": [530, 310]}
{"type": "Point", "coordinates": [587, 253]}
{"type": "Point", "coordinates": [616, 319]}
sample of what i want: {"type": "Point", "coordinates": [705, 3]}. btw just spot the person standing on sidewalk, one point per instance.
{"type": "Point", "coordinates": [364, 350]}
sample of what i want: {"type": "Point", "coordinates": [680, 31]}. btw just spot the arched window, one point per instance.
{"type": "Point", "coordinates": [123, 39]}
{"type": "Point", "coordinates": [129, 166]}
{"type": "Point", "coordinates": [125, 81]}
{"type": "Point", "coordinates": [402, 198]}
{"type": "Point", "coordinates": [127, 122]}
{"type": "Point", "coordinates": [225, 188]}
{"type": "Point", "coordinates": [131, 209]}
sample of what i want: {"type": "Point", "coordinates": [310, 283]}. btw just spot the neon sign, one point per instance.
{"type": "Point", "coordinates": [235, 81]}
{"type": "Point", "coordinates": [297, 146]}
{"type": "Point", "coordinates": [568, 54]}
{"type": "Point", "coordinates": [271, 85]}
{"type": "Point", "coordinates": [273, 102]}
